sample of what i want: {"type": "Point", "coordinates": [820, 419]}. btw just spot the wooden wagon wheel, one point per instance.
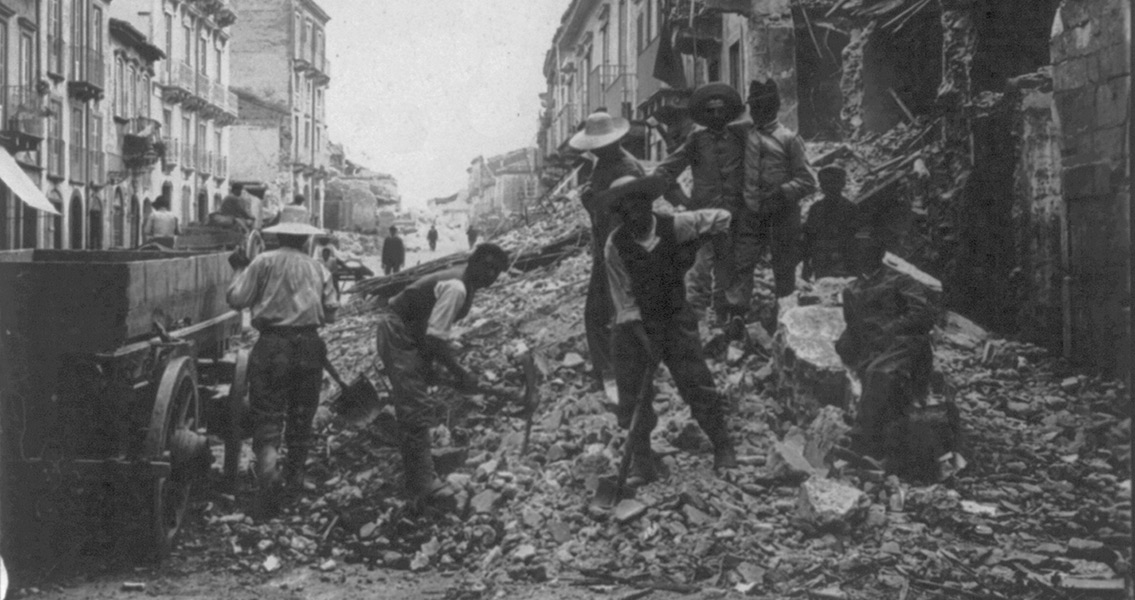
{"type": "Point", "coordinates": [254, 244]}
{"type": "Point", "coordinates": [176, 407]}
{"type": "Point", "coordinates": [237, 406]}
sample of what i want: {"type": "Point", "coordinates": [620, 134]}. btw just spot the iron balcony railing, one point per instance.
{"type": "Point", "coordinates": [231, 103]}
{"type": "Point", "coordinates": [203, 87]}
{"type": "Point", "coordinates": [22, 112]}
{"type": "Point", "coordinates": [205, 162]}
{"type": "Point", "coordinates": [188, 156]}
{"type": "Point", "coordinates": [185, 77]}
{"type": "Point", "coordinates": [87, 67]}
{"type": "Point", "coordinates": [221, 171]}
{"type": "Point", "coordinates": [55, 152]}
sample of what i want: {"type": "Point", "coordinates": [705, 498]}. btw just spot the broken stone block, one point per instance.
{"type": "Point", "coordinates": [485, 501]}
{"type": "Point", "coordinates": [629, 510]}
{"type": "Point", "coordinates": [806, 362]}
{"type": "Point", "coordinates": [1089, 549]}
{"type": "Point", "coordinates": [823, 433]}
{"type": "Point", "coordinates": [572, 360]}
{"type": "Point", "coordinates": [695, 517]}
{"type": "Point", "coordinates": [828, 504]}
{"type": "Point", "coordinates": [786, 462]}
{"type": "Point", "coordinates": [962, 332]}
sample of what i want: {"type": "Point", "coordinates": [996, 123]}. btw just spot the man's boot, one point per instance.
{"type": "Point", "coordinates": [267, 502]}
{"type": "Point", "coordinates": [295, 468]}
{"type": "Point", "coordinates": [418, 475]}
{"type": "Point", "coordinates": [713, 424]}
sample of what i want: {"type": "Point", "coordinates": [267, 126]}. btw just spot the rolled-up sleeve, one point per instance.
{"type": "Point", "coordinates": [450, 298]}
{"type": "Point", "coordinates": [695, 223]}
{"type": "Point", "coordinates": [242, 292]}
{"type": "Point", "coordinates": [626, 307]}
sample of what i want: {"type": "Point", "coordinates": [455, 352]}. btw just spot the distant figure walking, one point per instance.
{"type": "Point", "coordinates": [393, 252]}
{"type": "Point", "coordinates": [161, 226]}
{"type": "Point", "coordinates": [432, 237]}
{"type": "Point", "coordinates": [472, 234]}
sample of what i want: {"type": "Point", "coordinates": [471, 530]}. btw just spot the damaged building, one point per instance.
{"type": "Point", "coordinates": [991, 136]}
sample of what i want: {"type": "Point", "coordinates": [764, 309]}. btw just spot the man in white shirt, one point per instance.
{"type": "Point", "coordinates": [414, 331]}
{"type": "Point", "coordinates": [647, 259]}
{"type": "Point", "coordinates": [161, 226]}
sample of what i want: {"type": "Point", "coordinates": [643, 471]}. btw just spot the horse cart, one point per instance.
{"type": "Point", "coordinates": [115, 373]}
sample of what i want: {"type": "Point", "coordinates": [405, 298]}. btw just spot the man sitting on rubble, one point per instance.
{"type": "Point", "coordinates": [290, 296]}
{"type": "Point", "coordinates": [715, 154]}
{"type": "Point", "coordinates": [647, 258]}
{"type": "Point", "coordinates": [413, 332]}
{"type": "Point", "coordinates": [886, 343]}
{"type": "Point", "coordinates": [829, 234]}
{"type": "Point", "coordinates": [601, 136]}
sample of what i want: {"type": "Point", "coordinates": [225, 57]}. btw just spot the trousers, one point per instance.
{"type": "Point", "coordinates": [285, 373]}
{"type": "Point", "coordinates": [753, 233]}
{"type": "Point", "coordinates": [598, 313]}
{"type": "Point", "coordinates": [708, 281]}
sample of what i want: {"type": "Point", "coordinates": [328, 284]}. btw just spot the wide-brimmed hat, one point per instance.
{"type": "Point", "coordinates": [599, 129]}
{"type": "Point", "coordinates": [715, 91]}
{"type": "Point", "coordinates": [294, 222]}
{"type": "Point", "coordinates": [629, 190]}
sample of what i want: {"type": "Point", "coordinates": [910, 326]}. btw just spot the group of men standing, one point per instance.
{"type": "Point", "coordinates": [654, 275]}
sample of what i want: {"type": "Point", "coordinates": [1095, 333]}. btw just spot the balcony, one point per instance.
{"type": "Point", "coordinates": [139, 137]}
{"type": "Point", "coordinates": [619, 96]}
{"type": "Point", "coordinates": [22, 126]}
{"type": "Point", "coordinates": [188, 156]}
{"type": "Point", "coordinates": [96, 167]}
{"type": "Point", "coordinates": [205, 162]}
{"type": "Point", "coordinates": [220, 166]}
{"type": "Point", "coordinates": [87, 77]}
{"type": "Point", "coordinates": [78, 163]}
{"type": "Point", "coordinates": [322, 68]}
{"type": "Point", "coordinates": [55, 152]}
{"type": "Point", "coordinates": [180, 83]}
{"type": "Point", "coordinates": [172, 152]}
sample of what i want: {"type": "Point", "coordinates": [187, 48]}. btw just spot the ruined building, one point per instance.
{"type": "Point", "coordinates": [991, 136]}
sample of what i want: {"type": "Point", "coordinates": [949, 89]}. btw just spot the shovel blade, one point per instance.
{"type": "Point", "coordinates": [608, 494]}
{"type": "Point", "coordinates": [358, 404]}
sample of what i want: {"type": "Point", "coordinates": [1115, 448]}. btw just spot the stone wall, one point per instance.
{"type": "Point", "coordinates": [1091, 50]}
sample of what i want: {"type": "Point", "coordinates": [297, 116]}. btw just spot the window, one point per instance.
{"type": "Point", "coordinates": [27, 59]}
{"type": "Point", "coordinates": [648, 12]}
{"type": "Point", "coordinates": [120, 82]}
{"type": "Point", "coordinates": [77, 20]}
{"type": "Point", "coordinates": [296, 138]}
{"type": "Point", "coordinates": [735, 65]}
{"type": "Point", "coordinates": [306, 135]}
{"type": "Point", "coordinates": [55, 37]}
{"type": "Point", "coordinates": [297, 33]}
{"type": "Point", "coordinates": [605, 44]}
{"type": "Point", "coordinates": [640, 32]}
{"type": "Point", "coordinates": [307, 40]}
{"type": "Point", "coordinates": [187, 44]}
{"type": "Point", "coordinates": [217, 143]}
{"type": "Point", "coordinates": [203, 52]}
{"type": "Point", "coordinates": [218, 55]}
{"type": "Point", "coordinates": [77, 133]}
{"type": "Point", "coordinates": [169, 37]}
{"type": "Point", "coordinates": [53, 228]}
{"type": "Point", "coordinates": [144, 96]}
{"type": "Point", "coordinates": [167, 121]}
{"type": "Point", "coordinates": [622, 25]}
{"type": "Point", "coordinates": [96, 29]}
{"type": "Point", "coordinates": [131, 85]}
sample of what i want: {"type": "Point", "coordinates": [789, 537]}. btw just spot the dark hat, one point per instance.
{"type": "Point", "coordinates": [628, 191]}
{"type": "Point", "coordinates": [832, 173]}
{"type": "Point", "coordinates": [759, 90]}
{"type": "Point", "coordinates": [715, 91]}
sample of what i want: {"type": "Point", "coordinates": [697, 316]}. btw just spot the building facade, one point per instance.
{"type": "Point", "coordinates": [279, 57]}
{"type": "Point", "coordinates": [107, 105]}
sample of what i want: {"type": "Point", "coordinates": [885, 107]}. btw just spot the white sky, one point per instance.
{"type": "Point", "coordinates": [421, 87]}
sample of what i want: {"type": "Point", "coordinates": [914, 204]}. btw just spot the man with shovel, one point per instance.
{"type": "Point", "coordinates": [646, 258]}
{"type": "Point", "coordinates": [290, 295]}
{"type": "Point", "coordinates": [413, 331]}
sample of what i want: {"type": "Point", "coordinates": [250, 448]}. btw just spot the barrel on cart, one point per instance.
{"type": "Point", "coordinates": [114, 368]}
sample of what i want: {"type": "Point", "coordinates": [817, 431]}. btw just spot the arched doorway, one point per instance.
{"type": "Point", "coordinates": [119, 222]}
{"type": "Point", "coordinates": [75, 218]}
{"type": "Point", "coordinates": [94, 223]}
{"type": "Point", "coordinates": [202, 206]}
{"type": "Point", "coordinates": [135, 221]}
{"type": "Point", "coordinates": [53, 232]}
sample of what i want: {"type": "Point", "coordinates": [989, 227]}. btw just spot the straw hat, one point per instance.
{"type": "Point", "coordinates": [629, 190]}
{"type": "Point", "coordinates": [600, 129]}
{"type": "Point", "coordinates": [294, 222]}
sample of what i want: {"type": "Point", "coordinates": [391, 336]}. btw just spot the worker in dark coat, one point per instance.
{"type": "Point", "coordinates": [233, 211]}
{"type": "Point", "coordinates": [601, 136]}
{"type": "Point", "coordinates": [290, 295]}
{"type": "Point", "coordinates": [415, 330]}
{"type": "Point", "coordinates": [715, 155]}
{"type": "Point", "coordinates": [648, 255]}
{"type": "Point", "coordinates": [393, 253]}
{"type": "Point", "coordinates": [828, 242]}
{"type": "Point", "coordinates": [886, 343]}
{"type": "Point", "coordinates": [431, 237]}
{"type": "Point", "coordinates": [776, 180]}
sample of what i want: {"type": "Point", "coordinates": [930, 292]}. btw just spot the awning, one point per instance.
{"type": "Point", "coordinates": [22, 185]}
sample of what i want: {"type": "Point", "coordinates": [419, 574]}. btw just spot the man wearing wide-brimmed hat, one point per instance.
{"type": "Point", "coordinates": [290, 296]}
{"type": "Point", "coordinates": [715, 154]}
{"type": "Point", "coordinates": [600, 136]}
{"type": "Point", "coordinates": [648, 255]}
{"type": "Point", "coordinates": [827, 245]}
{"type": "Point", "coordinates": [776, 179]}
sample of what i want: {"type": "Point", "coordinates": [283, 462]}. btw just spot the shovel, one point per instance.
{"type": "Point", "coordinates": [357, 403]}
{"type": "Point", "coordinates": [612, 490]}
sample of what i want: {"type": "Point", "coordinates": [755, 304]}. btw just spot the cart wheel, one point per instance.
{"type": "Point", "coordinates": [237, 406]}
{"type": "Point", "coordinates": [176, 406]}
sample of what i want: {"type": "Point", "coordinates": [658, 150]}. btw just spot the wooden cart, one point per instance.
{"type": "Point", "coordinates": [104, 357]}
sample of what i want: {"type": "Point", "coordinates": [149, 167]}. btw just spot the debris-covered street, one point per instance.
{"type": "Point", "coordinates": [820, 299]}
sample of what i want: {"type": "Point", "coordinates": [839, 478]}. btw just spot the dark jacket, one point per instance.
{"type": "Point", "coordinates": [393, 251]}
{"type": "Point", "coordinates": [882, 309]}
{"type": "Point", "coordinates": [601, 178]}
{"type": "Point", "coordinates": [775, 159]}
{"type": "Point", "coordinates": [829, 237]}
{"type": "Point", "coordinates": [717, 163]}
